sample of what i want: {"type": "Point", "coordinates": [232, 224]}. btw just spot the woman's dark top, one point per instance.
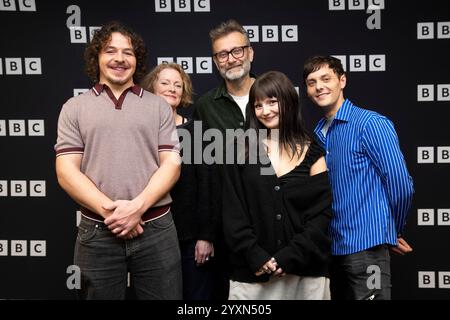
{"type": "Point", "coordinates": [283, 217]}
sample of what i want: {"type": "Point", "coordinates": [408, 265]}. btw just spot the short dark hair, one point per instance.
{"type": "Point", "coordinates": [292, 131]}
{"type": "Point", "coordinates": [226, 28]}
{"type": "Point", "coordinates": [314, 63]}
{"type": "Point", "coordinates": [100, 40]}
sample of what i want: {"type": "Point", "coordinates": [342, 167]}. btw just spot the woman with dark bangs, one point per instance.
{"type": "Point", "coordinates": [276, 210]}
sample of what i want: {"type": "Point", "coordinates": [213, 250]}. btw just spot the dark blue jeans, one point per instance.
{"type": "Point", "coordinates": [153, 260]}
{"type": "Point", "coordinates": [356, 277]}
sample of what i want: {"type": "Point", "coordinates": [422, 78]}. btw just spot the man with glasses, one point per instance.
{"type": "Point", "coordinates": [224, 106]}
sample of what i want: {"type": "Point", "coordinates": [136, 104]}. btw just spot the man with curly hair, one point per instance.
{"type": "Point", "coordinates": [117, 156]}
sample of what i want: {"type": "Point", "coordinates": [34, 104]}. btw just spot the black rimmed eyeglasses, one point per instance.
{"type": "Point", "coordinates": [237, 53]}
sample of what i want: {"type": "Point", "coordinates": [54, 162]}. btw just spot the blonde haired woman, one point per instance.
{"type": "Point", "coordinates": [193, 209]}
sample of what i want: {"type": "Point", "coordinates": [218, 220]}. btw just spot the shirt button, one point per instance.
{"type": "Point", "coordinates": [277, 188]}
{"type": "Point", "coordinates": [241, 124]}
{"type": "Point", "coordinates": [278, 242]}
{"type": "Point", "coordinates": [278, 217]}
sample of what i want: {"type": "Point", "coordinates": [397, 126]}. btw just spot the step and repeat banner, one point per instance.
{"type": "Point", "coordinates": [396, 54]}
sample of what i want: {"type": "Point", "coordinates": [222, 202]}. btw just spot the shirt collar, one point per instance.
{"type": "Point", "coordinates": [222, 89]}
{"type": "Point", "coordinates": [343, 114]}
{"type": "Point", "coordinates": [137, 90]}
{"type": "Point", "coordinates": [344, 111]}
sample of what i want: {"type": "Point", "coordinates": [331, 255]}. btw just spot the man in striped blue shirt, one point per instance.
{"type": "Point", "coordinates": [372, 189]}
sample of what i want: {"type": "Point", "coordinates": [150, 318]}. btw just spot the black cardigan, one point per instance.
{"type": "Point", "coordinates": [263, 218]}
{"type": "Point", "coordinates": [195, 207]}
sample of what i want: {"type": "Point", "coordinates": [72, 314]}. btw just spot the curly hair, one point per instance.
{"type": "Point", "coordinates": [148, 82]}
{"type": "Point", "coordinates": [101, 39]}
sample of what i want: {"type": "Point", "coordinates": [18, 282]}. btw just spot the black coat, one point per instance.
{"type": "Point", "coordinates": [195, 206]}
{"type": "Point", "coordinates": [265, 216]}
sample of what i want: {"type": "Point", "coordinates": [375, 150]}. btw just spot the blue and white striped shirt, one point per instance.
{"type": "Point", "coordinates": [372, 189]}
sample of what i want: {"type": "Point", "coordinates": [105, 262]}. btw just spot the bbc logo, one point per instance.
{"type": "Point", "coordinates": [24, 5]}
{"type": "Point", "coordinates": [22, 188]}
{"type": "Point", "coordinates": [182, 6]}
{"type": "Point", "coordinates": [427, 279]}
{"type": "Point", "coordinates": [355, 4]}
{"type": "Point", "coordinates": [202, 64]}
{"type": "Point", "coordinates": [13, 66]}
{"type": "Point", "coordinates": [425, 30]}
{"type": "Point", "coordinates": [425, 92]}
{"type": "Point", "coordinates": [78, 34]}
{"type": "Point", "coordinates": [426, 217]}
{"type": "Point", "coordinates": [358, 63]}
{"type": "Point", "coordinates": [426, 154]}
{"type": "Point", "coordinates": [19, 128]}
{"type": "Point", "coordinates": [23, 248]}
{"type": "Point", "coordinates": [270, 33]}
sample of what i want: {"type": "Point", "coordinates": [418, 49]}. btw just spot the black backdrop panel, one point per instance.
{"type": "Point", "coordinates": [397, 63]}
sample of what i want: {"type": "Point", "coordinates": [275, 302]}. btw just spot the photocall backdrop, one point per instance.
{"type": "Point", "coordinates": [396, 54]}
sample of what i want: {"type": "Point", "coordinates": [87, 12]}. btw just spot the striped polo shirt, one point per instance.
{"type": "Point", "coordinates": [119, 138]}
{"type": "Point", "coordinates": [372, 189]}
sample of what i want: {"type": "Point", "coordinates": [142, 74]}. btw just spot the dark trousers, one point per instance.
{"type": "Point", "coordinates": [222, 277]}
{"type": "Point", "coordinates": [153, 260]}
{"type": "Point", "coordinates": [198, 281]}
{"type": "Point", "coordinates": [364, 275]}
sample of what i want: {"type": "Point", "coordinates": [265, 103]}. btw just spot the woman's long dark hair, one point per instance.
{"type": "Point", "coordinates": [292, 131]}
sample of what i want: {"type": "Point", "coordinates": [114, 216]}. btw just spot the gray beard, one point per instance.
{"type": "Point", "coordinates": [232, 75]}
